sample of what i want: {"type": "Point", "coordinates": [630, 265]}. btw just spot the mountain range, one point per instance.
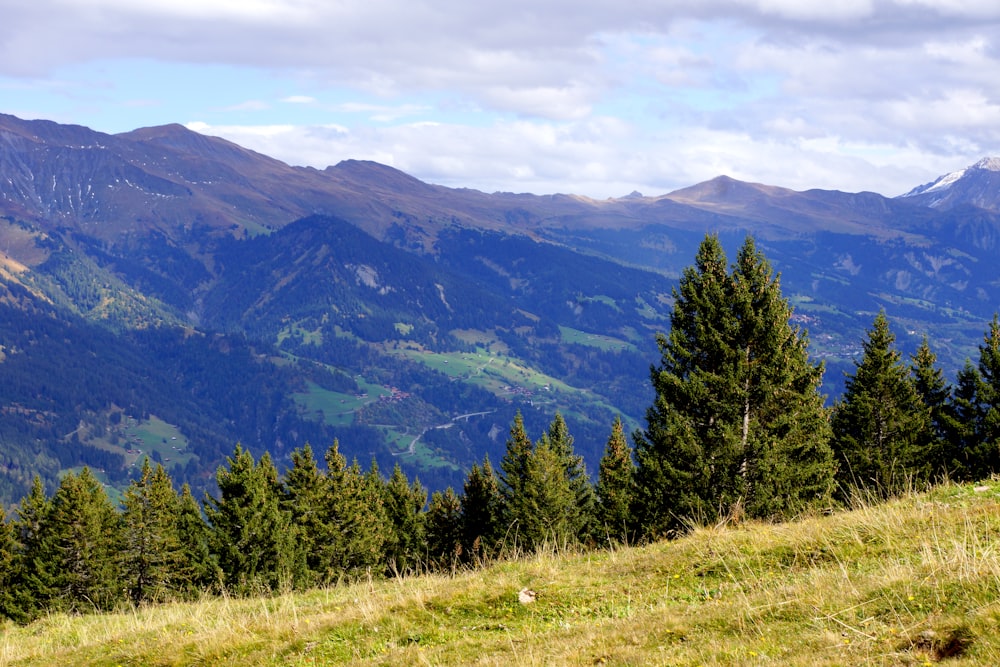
{"type": "Point", "coordinates": [168, 294]}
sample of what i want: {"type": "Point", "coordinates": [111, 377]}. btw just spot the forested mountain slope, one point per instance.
{"type": "Point", "coordinates": [161, 284]}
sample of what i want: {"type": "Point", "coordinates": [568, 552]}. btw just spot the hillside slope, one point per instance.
{"type": "Point", "coordinates": [910, 582]}
{"type": "Point", "coordinates": [378, 307]}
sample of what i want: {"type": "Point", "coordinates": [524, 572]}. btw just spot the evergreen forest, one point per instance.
{"type": "Point", "coordinates": [738, 428]}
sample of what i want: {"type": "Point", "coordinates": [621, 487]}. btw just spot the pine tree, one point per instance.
{"type": "Point", "coordinates": [545, 508]}
{"type": "Point", "coordinates": [685, 461]}
{"type": "Point", "coordinates": [964, 437]}
{"type": "Point", "coordinates": [152, 554]}
{"type": "Point", "coordinates": [404, 504]}
{"type": "Point", "coordinates": [936, 395]}
{"type": "Point", "coordinates": [9, 607]}
{"type": "Point", "coordinates": [198, 568]}
{"type": "Point", "coordinates": [581, 515]}
{"type": "Point", "coordinates": [250, 533]}
{"type": "Point", "coordinates": [880, 425]}
{"type": "Point", "coordinates": [444, 530]}
{"type": "Point", "coordinates": [482, 513]}
{"type": "Point", "coordinates": [514, 464]}
{"type": "Point", "coordinates": [737, 423]}
{"type": "Point", "coordinates": [785, 459]}
{"type": "Point", "coordinates": [34, 572]}
{"type": "Point", "coordinates": [80, 544]}
{"type": "Point", "coordinates": [988, 395]}
{"type": "Point", "coordinates": [355, 513]}
{"type": "Point", "coordinates": [514, 472]}
{"type": "Point", "coordinates": [304, 495]}
{"type": "Point", "coordinates": [615, 488]}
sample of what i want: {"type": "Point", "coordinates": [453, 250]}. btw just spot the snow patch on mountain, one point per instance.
{"type": "Point", "coordinates": [946, 181]}
{"type": "Point", "coordinates": [988, 164]}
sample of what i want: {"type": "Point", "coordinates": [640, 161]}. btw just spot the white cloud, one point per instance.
{"type": "Point", "coordinates": [525, 95]}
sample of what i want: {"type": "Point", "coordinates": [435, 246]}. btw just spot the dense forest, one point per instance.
{"type": "Point", "coordinates": [737, 428]}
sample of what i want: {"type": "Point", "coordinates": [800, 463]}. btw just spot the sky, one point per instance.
{"type": "Point", "coordinates": [586, 97]}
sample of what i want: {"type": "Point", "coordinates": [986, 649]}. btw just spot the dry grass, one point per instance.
{"type": "Point", "coordinates": [911, 582]}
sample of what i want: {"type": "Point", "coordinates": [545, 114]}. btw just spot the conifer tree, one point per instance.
{"type": "Point", "coordinates": [685, 462]}
{"type": "Point", "coordinates": [355, 514]}
{"type": "Point", "coordinates": [514, 472]}
{"type": "Point", "coordinates": [304, 497]}
{"type": "Point", "coordinates": [80, 543]}
{"type": "Point", "coordinates": [737, 421]}
{"type": "Point", "coordinates": [581, 516]}
{"type": "Point", "coordinates": [785, 459]}
{"type": "Point", "coordinates": [964, 438]}
{"type": "Point", "coordinates": [988, 398]}
{"type": "Point", "coordinates": [482, 513]}
{"type": "Point", "coordinates": [936, 394]}
{"type": "Point", "coordinates": [250, 533]}
{"type": "Point", "coordinates": [514, 464]}
{"type": "Point", "coordinates": [880, 425]}
{"type": "Point", "coordinates": [444, 530]}
{"type": "Point", "coordinates": [198, 567]}
{"type": "Point", "coordinates": [544, 510]}
{"type": "Point", "coordinates": [615, 487]}
{"type": "Point", "coordinates": [404, 504]}
{"type": "Point", "coordinates": [8, 551]}
{"type": "Point", "coordinates": [151, 553]}
{"type": "Point", "coordinates": [34, 572]}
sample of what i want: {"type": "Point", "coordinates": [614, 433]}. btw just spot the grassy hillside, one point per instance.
{"type": "Point", "coordinates": [912, 582]}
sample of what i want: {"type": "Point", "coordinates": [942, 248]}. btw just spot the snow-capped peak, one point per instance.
{"type": "Point", "coordinates": [946, 181]}
{"type": "Point", "coordinates": [988, 164]}
{"type": "Point", "coordinates": [941, 183]}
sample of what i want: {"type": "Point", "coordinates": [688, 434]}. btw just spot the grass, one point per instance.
{"type": "Point", "coordinates": [911, 582]}
{"type": "Point", "coordinates": [156, 435]}
{"type": "Point", "coordinates": [602, 342]}
{"type": "Point", "coordinates": [333, 407]}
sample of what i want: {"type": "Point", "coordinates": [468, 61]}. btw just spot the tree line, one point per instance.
{"type": "Point", "coordinates": [738, 428]}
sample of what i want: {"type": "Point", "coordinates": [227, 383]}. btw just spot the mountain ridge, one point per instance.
{"type": "Point", "coordinates": [338, 287]}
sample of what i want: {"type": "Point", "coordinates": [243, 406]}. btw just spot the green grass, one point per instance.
{"type": "Point", "coordinates": [912, 582]}
{"type": "Point", "coordinates": [575, 336]}
{"type": "Point", "coordinates": [156, 435]}
{"type": "Point", "coordinates": [333, 407]}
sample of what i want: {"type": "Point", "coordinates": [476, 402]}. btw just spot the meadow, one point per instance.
{"type": "Point", "coordinates": [912, 581]}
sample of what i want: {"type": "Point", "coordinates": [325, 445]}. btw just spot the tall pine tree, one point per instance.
{"type": "Point", "coordinates": [152, 553]}
{"type": "Point", "coordinates": [545, 509]}
{"type": "Point", "coordinates": [34, 571]}
{"type": "Point", "coordinates": [785, 459]}
{"type": "Point", "coordinates": [444, 530]}
{"type": "Point", "coordinates": [615, 488]}
{"type": "Point", "coordinates": [581, 515]}
{"type": "Point", "coordinates": [303, 497]}
{"type": "Point", "coordinates": [936, 394]}
{"type": "Point", "coordinates": [482, 513]}
{"type": "Point", "coordinates": [251, 533]}
{"type": "Point", "coordinates": [988, 397]}
{"type": "Point", "coordinates": [737, 423]}
{"type": "Point", "coordinates": [80, 544]}
{"type": "Point", "coordinates": [880, 426]}
{"type": "Point", "coordinates": [404, 504]}
{"type": "Point", "coordinates": [964, 455]}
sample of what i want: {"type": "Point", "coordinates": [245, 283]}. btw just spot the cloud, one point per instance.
{"type": "Point", "coordinates": [599, 157]}
{"type": "Point", "coordinates": [540, 93]}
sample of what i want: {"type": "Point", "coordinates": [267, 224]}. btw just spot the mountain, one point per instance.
{"type": "Point", "coordinates": [168, 294]}
{"type": "Point", "coordinates": [977, 186]}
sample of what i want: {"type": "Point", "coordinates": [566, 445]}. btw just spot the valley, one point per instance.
{"type": "Point", "coordinates": [239, 299]}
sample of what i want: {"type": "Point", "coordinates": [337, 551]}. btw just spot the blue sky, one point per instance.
{"type": "Point", "coordinates": [591, 98]}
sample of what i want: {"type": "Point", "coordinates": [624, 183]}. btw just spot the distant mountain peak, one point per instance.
{"type": "Point", "coordinates": [988, 164]}
{"type": "Point", "coordinates": [977, 185]}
